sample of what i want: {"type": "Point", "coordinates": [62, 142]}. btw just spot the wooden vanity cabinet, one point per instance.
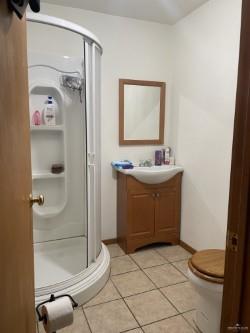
{"type": "Point", "coordinates": [147, 213]}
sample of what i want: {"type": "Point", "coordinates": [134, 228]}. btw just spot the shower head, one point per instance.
{"type": "Point", "coordinates": [72, 82]}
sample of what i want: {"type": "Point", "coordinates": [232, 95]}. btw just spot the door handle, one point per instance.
{"type": "Point", "coordinates": [38, 199]}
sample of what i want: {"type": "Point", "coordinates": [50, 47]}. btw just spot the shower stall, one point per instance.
{"type": "Point", "coordinates": [64, 66]}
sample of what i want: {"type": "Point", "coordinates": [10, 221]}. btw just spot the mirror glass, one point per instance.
{"type": "Point", "coordinates": [141, 112]}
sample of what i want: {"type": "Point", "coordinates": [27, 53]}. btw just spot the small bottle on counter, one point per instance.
{"type": "Point", "coordinates": [158, 157]}
{"type": "Point", "coordinates": [167, 155]}
{"type": "Point", "coordinates": [163, 156]}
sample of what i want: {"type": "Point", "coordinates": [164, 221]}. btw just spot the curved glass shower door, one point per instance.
{"type": "Point", "coordinates": [58, 148]}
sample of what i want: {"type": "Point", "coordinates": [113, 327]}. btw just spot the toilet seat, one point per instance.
{"type": "Point", "coordinates": [208, 265]}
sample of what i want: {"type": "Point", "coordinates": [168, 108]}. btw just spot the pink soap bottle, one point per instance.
{"type": "Point", "coordinates": [36, 118]}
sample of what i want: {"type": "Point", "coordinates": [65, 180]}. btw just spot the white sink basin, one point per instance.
{"type": "Point", "coordinates": [154, 174]}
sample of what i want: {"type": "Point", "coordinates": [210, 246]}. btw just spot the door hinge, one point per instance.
{"type": "Point", "coordinates": [232, 241]}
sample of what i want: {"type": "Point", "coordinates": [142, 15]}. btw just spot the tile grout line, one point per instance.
{"type": "Point", "coordinates": [153, 322]}
{"type": "Point", "coordinates": [164, 294]}
{"type": "Point", "coordinates": [157, 250]}
{"type": "Point", "coordinates": [134, 270]}
{"type": "Point", "coordinates": [85, 316]}
{"type": "Point", "coordinates": [126, 304]}
{"type": "Point", "coordinates": [115, 256]}
{"type": "Point", "coordinates": [188, 321]}
{"type": "Point", "coordinates": [167, 299]}
{"type": "Point", "coordinates": [165, 286]}
{"type": "Point", "coordinates": [161, 255]}
{"type": "Point", "coordinates": [144, 268]}
{"type": "Point", "coordinates": [139, 267]}
{"type": "Point", "coordinates": [156, 288]}
{"type": "Point", "coordinates": [144, 292]}
{"type": "Point", "coordinates": [157, 321]}
{"type": "Point", "coordinates": [167, 263]}
{"type": "Point", "coordinates": [186, 279]}
{"type": "Point", "coordinates": [179, 269]}
{"type": "Point", "coordinates": [137, 328]}
{"type": "Point", "coordinates": [172, 302]}
{"type": "Point", "coordinates": [105, 302]}
{"type": "Point", "coordinates": [153, 250]}
{"type": "Point", "coordinates": [178, 312]}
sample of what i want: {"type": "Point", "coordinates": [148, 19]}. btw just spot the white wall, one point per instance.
{"type": "Point", "coordinates": [132, 49]}
{"type": "Point", "coordinates": [202, 109]}
{"type": "Point", "coordinates": [198, 60]}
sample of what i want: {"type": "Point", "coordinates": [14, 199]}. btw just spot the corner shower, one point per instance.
{"type": "Point", "coordinates": [64, 65]}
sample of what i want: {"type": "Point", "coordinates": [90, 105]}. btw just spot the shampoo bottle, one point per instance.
{"type": "Point", "coordinates": [49, 116]}
{"type": "Point", "coordinates": [36, 118]}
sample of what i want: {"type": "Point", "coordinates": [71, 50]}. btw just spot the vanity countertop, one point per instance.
{"type": "Point", "coordinates": [154, 174]}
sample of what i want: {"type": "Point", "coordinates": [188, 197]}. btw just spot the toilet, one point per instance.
{"type": "Point", "coordinates": [206, 273]}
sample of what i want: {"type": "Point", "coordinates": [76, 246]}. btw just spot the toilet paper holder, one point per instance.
{"type": "Point", "coordinates": [52, 299]}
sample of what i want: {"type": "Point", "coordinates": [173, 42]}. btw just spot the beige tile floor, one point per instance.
{"type": "Point", "coordinates": [148, 292]}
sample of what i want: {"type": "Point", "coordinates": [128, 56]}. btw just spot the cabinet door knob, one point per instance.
{"type": "Point", "coordinates": [153, 195]}
{"type": "Point", "coordinates": [158, 195]}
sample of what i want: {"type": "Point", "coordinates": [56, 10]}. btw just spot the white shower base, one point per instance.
{"type": "Point", "coordinates": [59, 260]}
{"type": "Point", "coordinates": [60, 268]}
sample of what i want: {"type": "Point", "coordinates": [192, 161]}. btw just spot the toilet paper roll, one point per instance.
{"type": "Point", "coordinates": [58, 314]}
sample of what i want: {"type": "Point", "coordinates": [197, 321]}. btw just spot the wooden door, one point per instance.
{"type": "Point", "coordinates": [16, 245]}
{"type": "Point", "coordinates": [166, 212]}
{"type": "Point", "coordinates": [236, 294]}
{"type": "Point", "coordinates": [141, 214]}
{"type": "Point", "coordinates": [244, 318]}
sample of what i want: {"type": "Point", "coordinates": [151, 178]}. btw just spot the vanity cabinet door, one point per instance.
{"type": "Point", "coordinates": [141, 215]}
{"type": "Point", "coordinates": [166, 211]}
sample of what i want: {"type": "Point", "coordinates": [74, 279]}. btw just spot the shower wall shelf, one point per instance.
{"type": "Point", "coordinates": [55, 128]}
{"type": "Point", "coordinates": [48, 145]}
{"type": "Point", "coordinates": [49, 212]}
{"type": "Point", "coordinates": [47, 175]}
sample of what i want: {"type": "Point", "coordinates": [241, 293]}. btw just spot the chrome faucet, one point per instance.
{"type": "Point", "coordinates": [146, 163]}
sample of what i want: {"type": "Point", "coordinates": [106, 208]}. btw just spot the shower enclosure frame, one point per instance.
{"type": "Point", "coordinates": [89, 281]}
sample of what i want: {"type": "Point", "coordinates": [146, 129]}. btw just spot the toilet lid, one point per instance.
{"type": "Point", "coordinates": [210, 262]}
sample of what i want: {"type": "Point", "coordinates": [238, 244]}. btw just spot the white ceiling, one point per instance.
{"type": "Point", "coordinates": [162, 11]}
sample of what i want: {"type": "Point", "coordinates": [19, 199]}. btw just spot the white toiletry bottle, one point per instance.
{"type": "Point", "coordinates": [167, 155]}
{"type": "Point", "coordinates": [49, 116]}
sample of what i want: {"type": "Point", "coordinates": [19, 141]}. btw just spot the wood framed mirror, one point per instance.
{"type": "Point", "coordinates": [141, 112]}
